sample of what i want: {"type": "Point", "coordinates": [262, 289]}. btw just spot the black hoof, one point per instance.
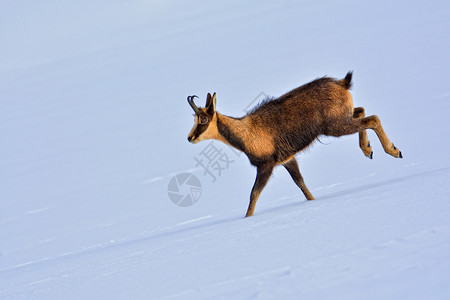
{"type": "Point", "coordinates": [400, 154]}
{"type": "Point", "coordinates": [370, 155]}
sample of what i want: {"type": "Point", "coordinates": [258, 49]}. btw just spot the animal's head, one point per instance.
{"type": "Point", "coordinates": [205, 124]}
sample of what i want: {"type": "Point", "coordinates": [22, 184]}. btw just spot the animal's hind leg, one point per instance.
{"type": "Point", "coordinates": [358, 125]}
{"type": "Point", "coordinates": [292, 167]}
{"type": "Point", "coordinates": [364, 143]}
{"type": "Point", "coordinates": [373, 122]}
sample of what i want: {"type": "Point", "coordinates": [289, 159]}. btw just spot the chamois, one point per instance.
{"type": "Point", "coordinates": [274, 131]}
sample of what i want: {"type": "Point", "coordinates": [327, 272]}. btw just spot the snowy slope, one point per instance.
{"type": "Point", "coordinates": [93, 127]}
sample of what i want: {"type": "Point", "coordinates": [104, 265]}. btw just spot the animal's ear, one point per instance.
{"type": "Point", "coordinates": [211, 104]}
{"type": "Point", "coordinates": [208, 100]}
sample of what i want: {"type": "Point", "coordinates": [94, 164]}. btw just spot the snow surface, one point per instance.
{"type": "Point", "coordinates": [93, 126]}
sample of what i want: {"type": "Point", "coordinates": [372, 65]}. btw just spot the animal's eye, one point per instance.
{"type": "Point", "coordinates": [203, 120]}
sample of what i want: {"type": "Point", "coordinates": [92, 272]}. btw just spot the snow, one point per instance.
{"type": "Point", "coordinates": [94, 124]}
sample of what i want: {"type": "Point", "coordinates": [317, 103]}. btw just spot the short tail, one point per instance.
{"type": "Point", "coordinates": [346, 83]}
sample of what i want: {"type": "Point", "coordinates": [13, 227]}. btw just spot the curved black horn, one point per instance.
{"type": "Point", "coordinates": [190, 100]}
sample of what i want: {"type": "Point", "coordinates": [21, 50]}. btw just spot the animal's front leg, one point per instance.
{"type": "Point", "coordinates": [262, 177]}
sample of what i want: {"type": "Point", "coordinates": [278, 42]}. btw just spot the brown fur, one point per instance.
{"type": "Point", "coordinates": [273, 132]}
